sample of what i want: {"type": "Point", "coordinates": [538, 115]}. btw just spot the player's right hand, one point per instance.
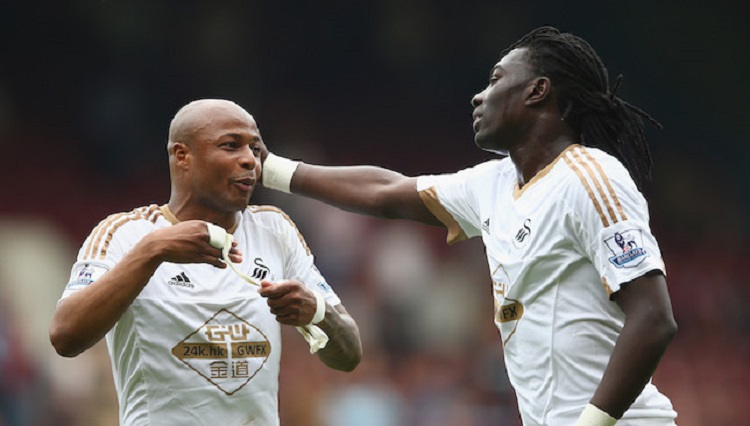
{"type": "Point", "coordinates": [187, 242]}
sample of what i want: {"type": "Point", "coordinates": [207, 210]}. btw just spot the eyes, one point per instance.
{"type": "Point", "coordinates": [234, 145]}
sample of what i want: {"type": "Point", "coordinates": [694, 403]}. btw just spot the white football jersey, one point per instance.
{"type": "Point", "coordinates": [199, 346]}
{"type": "Point", "coordinates": [557, 249]}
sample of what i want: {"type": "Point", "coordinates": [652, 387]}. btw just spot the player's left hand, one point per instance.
{"type": "Point", "coordinates": [290, 301]}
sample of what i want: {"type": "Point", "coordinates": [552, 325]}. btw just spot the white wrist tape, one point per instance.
{"type": "Point", "coordinates": [594, 416]}
{"type": "Point", "coordinates": [316, 338]}
{"type": "Point", "coordinates": [320, 310]}
{"type": "Point", "coordinates": [277, 173]}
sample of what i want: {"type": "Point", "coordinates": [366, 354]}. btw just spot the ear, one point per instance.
{"type": "Point", "coordinates": [538, 91]}
{"type": "Point", "coordinates": [181, 153]}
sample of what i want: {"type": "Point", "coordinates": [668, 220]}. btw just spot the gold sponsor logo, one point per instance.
{"type": "Point", "coordinates": [512, 312]}
{"type": "Point", "coordinates": [226, 350]}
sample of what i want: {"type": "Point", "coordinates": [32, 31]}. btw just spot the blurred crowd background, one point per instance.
{"type": "Point", "coordinates": [87, 89]}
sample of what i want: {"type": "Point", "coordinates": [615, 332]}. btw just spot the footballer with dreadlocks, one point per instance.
{"type": "Point", "coordinates": [578, 280]}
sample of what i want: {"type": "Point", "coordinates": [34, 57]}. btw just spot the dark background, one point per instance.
{"type": "Point", "coordinates": [87, 89]}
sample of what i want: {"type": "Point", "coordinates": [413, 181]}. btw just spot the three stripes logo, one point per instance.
{"type": "Point", "coordinates": [181, 280]}
{"type": "Point", "coordinates": [486, 226]}
{"type": "Point", "coordinates": [261, 270]}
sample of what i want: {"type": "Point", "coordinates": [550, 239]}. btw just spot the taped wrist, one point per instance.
{"type": "Point", "coordinates": [595, 416]}
{"type": "Point", "coordinates": [320, 310]}
{"type": "Point", "coordinates": [277, 173]}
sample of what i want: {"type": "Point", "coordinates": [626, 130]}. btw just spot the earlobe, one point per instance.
{"type": "Point", "coordinates": [539, 90]}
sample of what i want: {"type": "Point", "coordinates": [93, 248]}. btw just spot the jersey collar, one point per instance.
{"type": "Point", "coordinates": [518, 191]}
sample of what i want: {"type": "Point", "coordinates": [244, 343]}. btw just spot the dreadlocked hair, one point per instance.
{"type": "Point", "coordinates": [585, 99]}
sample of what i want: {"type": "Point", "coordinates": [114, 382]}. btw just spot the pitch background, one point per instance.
{"type": "Point", "coordinates": [87, 89]}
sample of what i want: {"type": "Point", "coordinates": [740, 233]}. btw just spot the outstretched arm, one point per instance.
{"type": "Point", "coordinates": [293, 304]}
{"type": "Point", "coordinates": [648, 330]}
{"type": "Point", "coordinates": [368, 190]}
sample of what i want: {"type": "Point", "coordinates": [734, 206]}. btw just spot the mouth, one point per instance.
{"type": "Point", "coordinates": [475, 123]}
{"type": "Point", "coordinates": [245, 184]}
{"type": "Point", "coordinates": [477, 116]}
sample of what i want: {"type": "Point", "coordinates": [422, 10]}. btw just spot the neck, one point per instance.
{"type": "Point", "coordinates": [183, 208]}
{"type": "Point", "coordinates": [542, 147]}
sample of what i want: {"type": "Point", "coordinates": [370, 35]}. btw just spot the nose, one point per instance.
{"type": "Point", "coordinates": [247, 158]}
{"type": "Point", "coordinates": [477, 99]}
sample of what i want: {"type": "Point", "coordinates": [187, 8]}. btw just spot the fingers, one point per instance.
{"type": "Point", "coordinates": [289, 301]}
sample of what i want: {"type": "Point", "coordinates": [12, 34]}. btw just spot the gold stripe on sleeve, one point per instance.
{"type": "Point", "coordinates": [98, 233]}
{"type": "Point", "coordinates": [597, 184]}
{"type": "Point", "coordinates": [140, 213]}
{"type": "Point", "coordinates": [606, 286]}
{"type": "Point", "coordinates": [607, 183]}
{"type": "Point", "coordinates": [432, 202]}
{"type": "Point", "coordinates": [588, 190]}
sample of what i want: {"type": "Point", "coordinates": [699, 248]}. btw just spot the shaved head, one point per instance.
{"type": "Point", "coordinates": [191, 118]}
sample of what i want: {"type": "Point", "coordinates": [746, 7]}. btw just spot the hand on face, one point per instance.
{"type": "Point", "coordinates": [188, 242]}
{"type": "Point", "coordinates": [290, 301]}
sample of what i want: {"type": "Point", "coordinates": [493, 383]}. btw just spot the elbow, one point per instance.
{"type": "Point", "coordinates": [664, 328]}
{"type": "Point", "coordinates": [670, 329]}
{"type": "Point", "coordinates": [354, 361]}
{"type": "Point", "coordinates": [64, 342]}
{"type": "Point", "coordinates": [351, 363]}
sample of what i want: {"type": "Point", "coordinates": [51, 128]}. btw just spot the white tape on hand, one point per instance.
{"type": "Point", "coordinates": [595, 416]}
{"type": "Point", "coordinates": [223, 240]}
{"type": "Point", "coordinates": [217, 236]}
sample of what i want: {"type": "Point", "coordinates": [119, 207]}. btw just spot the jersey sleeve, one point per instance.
{"type": "Point", "coordinates": [611, 220]}
{"type": "Point", "coordinates": [451, 198]}
{"type": "Point", "coordinates": [99, 253]}
{"type": "Point", "coordinates": [299, 263]}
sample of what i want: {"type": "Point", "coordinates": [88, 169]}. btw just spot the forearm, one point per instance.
{"type": "Point", "coordinates": [344, 348]}
{"type": "Point", "coordinates": [82, 319]}
{"type": "Point", "coordinates": [637, 353]}
{"type": "Point", "coordinates": [368, 190]}
{"type": "Point", "coordinates": [352, 188]}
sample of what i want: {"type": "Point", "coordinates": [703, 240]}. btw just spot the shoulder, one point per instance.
{"type": "Point", "coordinates": [127, 226]}
{"type": "Point", "coordinates": [275, 219]}
{"type": "Point", "coordinates": [266, 213]}
{"type": "Point", "coordinates": [598, 179]}
{"type": "Point", "coordinates": [140, 215]}
{"type": "Point", "coordinates": [487, 171]}
{"type": "Point", "coordinates": [491, 167]}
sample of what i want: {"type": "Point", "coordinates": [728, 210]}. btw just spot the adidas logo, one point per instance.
{"type": "Point", "coordinates": [181, 280]}
{"type": "Point", "coordinates": [486, 226]}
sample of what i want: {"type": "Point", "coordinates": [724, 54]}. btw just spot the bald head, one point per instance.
{"type": "Point", "coordinates": [193, 117]}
